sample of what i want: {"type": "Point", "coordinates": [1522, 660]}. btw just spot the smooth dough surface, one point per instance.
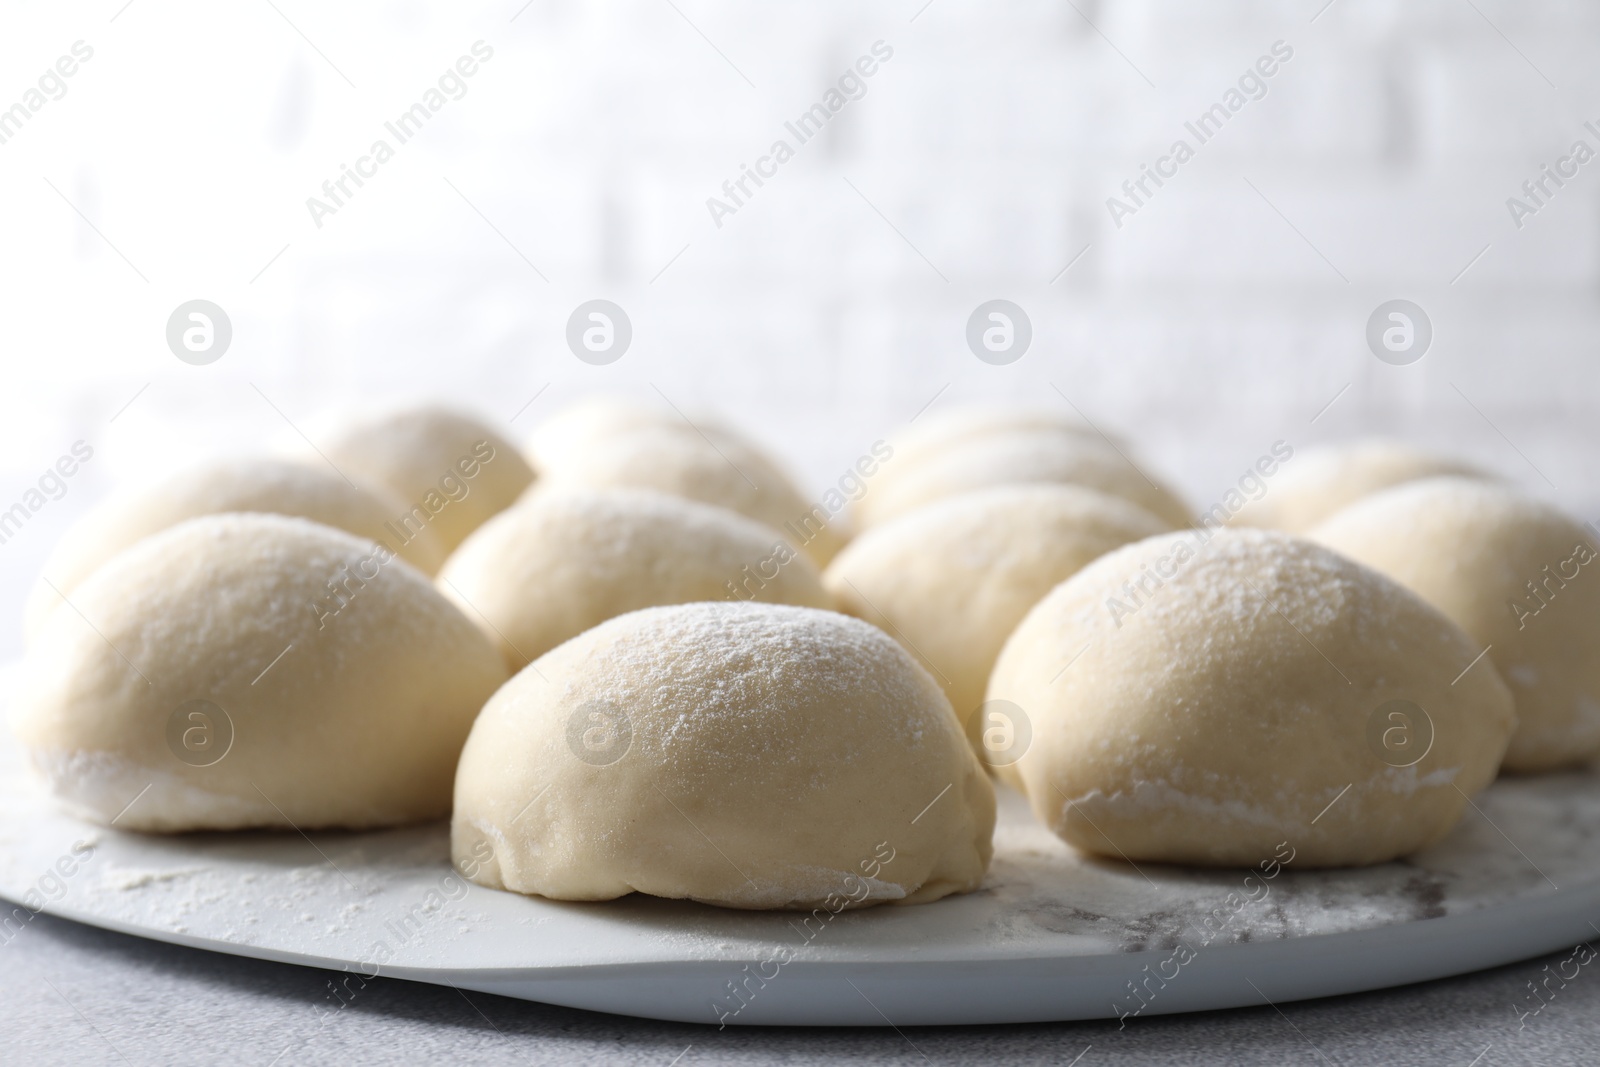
{"type": "Point", "coordinates": [450, 470]}
{"type": "Point", "coordinates": [729, 473]}
{"type": "Point", "coordinates": [1320, 481]}
{"type": "Point", "coordinates": [561, 562]}
{"type": "Point", "coordinates": [1023, 457]}
{"type": "Point", "coordinates": [595, 421]}
{"type": "Point", "coordinates": [952, 580]}
{"type": "Point", "coordinates": [954, 427]}
{"type": "Point", "coordinates": [1220, 713]}
{"type": "Point", "coordinates": [1520, 577]}
{"type": "Point", "coordinates": [747, 755]}
{"type": "Point", "coordinates": [273, 486]}
{"type": "Point", "coordinates": [336, 710]}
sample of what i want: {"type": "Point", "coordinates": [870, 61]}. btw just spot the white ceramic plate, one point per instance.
{"type": "Point", "coordinates": [1051, 935]}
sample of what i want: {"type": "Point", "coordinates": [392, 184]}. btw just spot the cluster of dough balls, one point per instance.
{"type": "Point", "coordinates": [1359, 650]}
{"type": "Point", "coordinates": [969, 449]}
{"type": "Point", "coordinates": [1518, 576]}
{"type": "Point", "coordinates": [1322, 481]}
{"type": "Point", "coordinates": [307, 642]}
{"type": "Point", "coordinates": [260, 643]}
{"type": "Point", "coordinates": [1162, 688]}
{"type": "Point", "coordinates": [635, 657]}
{"type": "Point", "coordinates": [606, 444]}
{"type": "Point", "coordinates": [952, 580]}
{"type": "Point", "coordinates": [566, 560]}
{"type": "Point", "coordinates": [271, 486]}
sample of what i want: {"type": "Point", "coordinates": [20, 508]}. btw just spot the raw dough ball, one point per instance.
{"type": "Point", "coordinates": [252, 694]}
{"type": "Point", "coordinates": [951, 580]}
{"type": "Point", "coordinates": [451, 470]}
{"type": "Point", "coordinates": [1518, 576]}
{"type": "Point", "coordinates": [728, 473]}
{"type": "Point", "coordinates": [592, 422]}
{"type": "Point", "coordinates": [599, 420]}
{"type": "Point", "coordinates": [1021, 458]}
{"type": "Point", "coordinates": [748, 755]}
{"type": "Point", "coordinates": [560, 563]}
{"type": "Point", "coordinates": [259, 485]}
{"type": "Point", "coordinates": [1223, 699]}
{"type": "Point", "coordinates": [1320, 481]}
{"type": "Point", "coordinates": [937, 431]}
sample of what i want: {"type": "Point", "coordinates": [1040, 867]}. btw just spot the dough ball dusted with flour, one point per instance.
{"type": "Point", "coordinates": [747, 755]}
{"type": "Point", "coordinates": [241, 671]}
{"type": "Point", "coordinates": [451, 471]}
{"type": "Point", "coordinates": [715, 468]}
{"type": "Point", "coordinates": [236, 485]}
{"type": "Point", "coordinates": [1251, 690]}
{"type": "Point", "coordinates": [1020, 457]}
{"type": "Point", "coordinates": [1320, 481]}
{"type": "Point", "coordinates": [952, 580]}
{"type": "Point", "coordinates": [561, 562]}
{"type": "Point", "coordinates": [1518, 576]}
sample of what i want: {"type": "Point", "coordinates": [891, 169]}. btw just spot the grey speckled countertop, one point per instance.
{"type": "Point", "coordinates": [73, 994]}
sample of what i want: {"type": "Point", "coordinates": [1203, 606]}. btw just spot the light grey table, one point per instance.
{"type": "Point", "coordinates": [73, 994]}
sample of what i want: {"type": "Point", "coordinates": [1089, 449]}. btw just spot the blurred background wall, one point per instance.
{"type": "Point", "coordinates": [1228, 311]}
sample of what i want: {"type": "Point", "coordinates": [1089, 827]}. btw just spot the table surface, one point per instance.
{"type": "Point", "coordinates": [75, 994]}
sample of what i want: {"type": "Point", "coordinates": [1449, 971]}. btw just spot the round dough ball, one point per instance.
{"type": "Point", "coordinates": [1518, 576]}
{"type": "Point", "coordinates": [560, 563]}
{"type": "Point", "coordinates": [1321, 481]}
{"type": "Point", "coordinates": [747, 755]}
{"type": "Point", "coordinates": [1021, 458]}
{"type": "Point", "coordinates": [451, 470]}
{"type": "Point", "coordinates": [728, 473]}
{"type": "Point", "coordinates": [937, 431]}
{"type": "Point", "coordinates": [215, 680]}
{"type": "Point", "coordinates": [596, 422]}
{"type": "Point", "coordinates": [591, 422]}
{"type": "Point", "coordinates": [272, 486]}
{"type": "Point", "coordinates": [1227, 692]}
{"type": "Point", "coordinates": [950, 581]}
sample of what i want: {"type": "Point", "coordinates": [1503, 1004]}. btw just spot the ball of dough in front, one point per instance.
{"type": "Point", "coordinates": [1245, 691]}
{"type": "Point", "coordinates": [241, 671]}
{"type": "Point", "coordinates": [747, 755]}
{"type": "Point", "coordinates": [952, 580]}
{"type": "Point", "coordinates": [1321, 481]}
{"type": "Point", "coordinates": [451, 470]}
{"type": "Point", "coordinates": [1518, 576]}
{"type": "Point", "coordinates": [717, 469]}
{"type": "Point", "coordinates": [1023, 457]}
{"type": "Point", "coordinates": [561, 562]}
